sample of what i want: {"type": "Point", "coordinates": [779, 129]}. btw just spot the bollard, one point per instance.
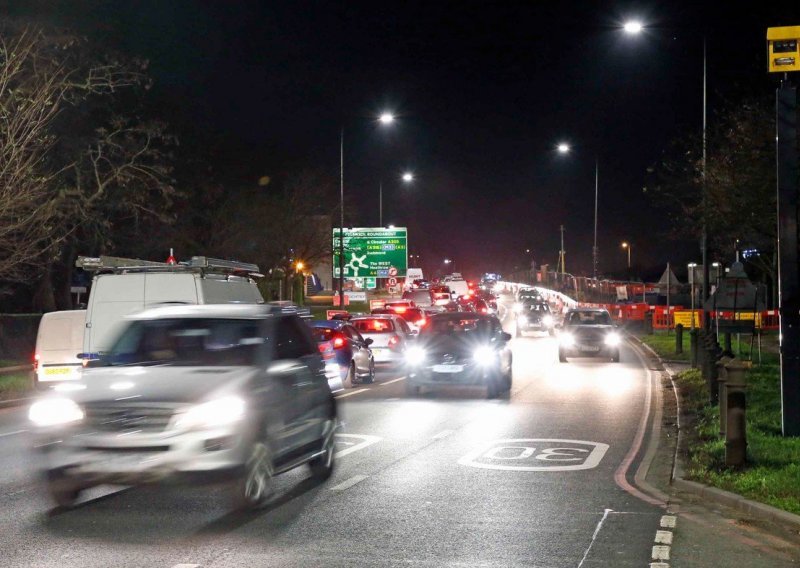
{"type": "Point", "coordinates": [679, 339]}
{"type": "Point", "coordinates": [728, 344]}
{"type": "Point", "coordinates": [722, 378]}
{"type": "Point", "coordinates": [648, 323]}
{"type": "Point", "coordinates": [736, 424]}
{"type": "Point", "coordinates": [693, 347]}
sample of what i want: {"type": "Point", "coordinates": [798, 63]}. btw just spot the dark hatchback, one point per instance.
{"type": "Point", "coordinates": [466, 349]}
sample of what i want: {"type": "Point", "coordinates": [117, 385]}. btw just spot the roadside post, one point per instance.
{"type": "Point", "coordinates": [735, 431]}
{"type": "Point", "coordinates": [679, 339]}
{"type": "Point", "coordinates": [693, 347]}
{"type": "Point", "coordinates": [783, 55]}
{"type": "Point", "coordinates": [722, 379]}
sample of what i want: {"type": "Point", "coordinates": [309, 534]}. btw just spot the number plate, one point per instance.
{"type": "Point", "coordinates": [448, 368]}
{"type": "Point", "coordinates": [592, 348]}
{"type": "Point", "coordinates": [57, 371]}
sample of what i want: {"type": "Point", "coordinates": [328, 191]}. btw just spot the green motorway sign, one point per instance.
{"type": "Point", "coordinates": [372, 252]}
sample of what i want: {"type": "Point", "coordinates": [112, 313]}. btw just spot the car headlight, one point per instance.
{"type": "Point", "coordinates": [219, 412]}
{"type": "Point", "coordinates": [415, 355]}
{"type": "Point", "coordinates": [548, 321]}
{"type": "Point", "coordinates": [566, 339]}
{"type": "Point", "coordinates": [517, 308]}
{"type": "Point", "coordinates": [54, 412]}
{"type": "Point", "coordinates": [522, 319]}
{"type": "Point", "coordinates": [484, 355]}
{"type": "Point", "coordinates": [612, 339]}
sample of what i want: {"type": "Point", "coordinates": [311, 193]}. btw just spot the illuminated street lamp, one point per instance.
{"type": "Point", "coordinates": [633, 27]}
{"type": "Point", "coordinates": [628, 247]}
{"type": "Point", "coordinates": [563, 148]}
{"type": "Point", "coordinates": [386, 118]}
{"type": "Point", "coordinates": [450, 263]}
{"type": "Point", "coordinates": [408, 177]}
{"type": "Point", "coordinates": [300, 266]}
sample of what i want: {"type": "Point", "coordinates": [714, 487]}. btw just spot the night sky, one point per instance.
{"type": "Point", "coordinates": [483, 90]}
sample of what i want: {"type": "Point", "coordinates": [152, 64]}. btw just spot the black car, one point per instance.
{"type": "Point", "coordinates": [460, 349]}
{"type": "Point", "coordinates": [588, 332]}
{"type": "Point", "coordinates": [534, 316]}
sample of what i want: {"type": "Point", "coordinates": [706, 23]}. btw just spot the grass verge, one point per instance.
{"type": "Point", "coordinates": [14, 385]}
{"type": "Point", "coordinates": [664, 344]}
{"type": "Point", "coordinates": [772, 474]}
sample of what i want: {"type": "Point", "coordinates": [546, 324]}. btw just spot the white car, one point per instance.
{"type": "Point", "coordinates": [389, 336]}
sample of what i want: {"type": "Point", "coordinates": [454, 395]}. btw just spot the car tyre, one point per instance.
{"type": "Point", "coordinates": [615, 356]}
{"type": "Point", "coordinates": [370, 378]}
{"type": "Point", "coordinates": [493, 387]}
{"type": "Point", "coordinates": [412, 389]}
{"type": "Point", "coordinates": [254, 486]}
{"type": "Point", "coordinates": [562, 357]}
{"type": "Point", "coordinates": [350, 378]}
{"type": "Point", "coordinates": [322, 466]}
{"type": "Point", "coordinates": [65, 493]}
{"type": "Point", "coordinates": [508, 378]}
{"type": "Point", "coordinates": [518, 332]}
{"type": "Point", "coordinates": [551, 331]}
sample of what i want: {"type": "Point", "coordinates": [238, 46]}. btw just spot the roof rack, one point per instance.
{"type": "Point", "coordinates": [202, 264]}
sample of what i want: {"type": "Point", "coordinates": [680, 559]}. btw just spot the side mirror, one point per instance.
{"type": "Point", "coordinates": [368, 341]}
{"type": "Point", "coordinates": [505, 336]}
{"type": "Point", "coordinates": [414, 332]}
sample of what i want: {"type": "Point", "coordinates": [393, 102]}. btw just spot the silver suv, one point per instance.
{"type": "Point", "coordinates": [214, 393]}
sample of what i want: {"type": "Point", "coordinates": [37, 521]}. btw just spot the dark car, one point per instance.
{"type": "Point", "coordinates": [588, 332]}
{"type": "Point", "coordinates": [230, 394]}
{"type": "Point", "coordinates": [460, 349]}
{"type": "Point", "coordinates": [346, 353]}
{"type": "Point", "coordinates": [535, 316]}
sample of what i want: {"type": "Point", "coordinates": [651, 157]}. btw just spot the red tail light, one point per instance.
{"type": "Point", "coordinates": [421, 322]}
{"type": "Point", "coordinates": [399, 310]}
{"type": "Point", "coordinates": [326, 350]}
{"type": "Point", "coordinates": [338, 342]}
{"type": "Point", "coordinates": [394, 341]}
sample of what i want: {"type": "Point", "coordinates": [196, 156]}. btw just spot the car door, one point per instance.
{"type": "Point", "coordinates": [361, 351]}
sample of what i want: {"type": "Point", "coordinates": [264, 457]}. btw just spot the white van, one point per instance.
{"type": "Point", "coordinates": [58, 343]}
{"type": "Point", "coordinates": [459, 287]}
{"type": "Point", "coordinates": [129, 289]}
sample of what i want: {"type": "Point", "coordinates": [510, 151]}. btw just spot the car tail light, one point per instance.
{"type": "Point", "coordinates": [394, 341]}
{"type": "Point", "coordinates": [338, 342]}
{"type": "Point", "coordinates": [399, 310]}
{"type": "Point", "coordinates": [421, 322]}
{"type": "Point", "coordinates": [35, 362]}
{"type": "Point", "coordinates": [326, 350]}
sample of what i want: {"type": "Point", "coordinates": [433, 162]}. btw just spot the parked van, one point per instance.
{"type": "Point", "coordinates": [58, 343]}
{"type": "Point", "coordinates": [120, 288]}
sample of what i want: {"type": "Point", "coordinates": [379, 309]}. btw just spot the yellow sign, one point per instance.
{"type": "Point", "coordinates": [782, 49]}
{"type": "Point", "coordinates": [684, 318]}
{"type": "Point", "coordinates": [749, 316]}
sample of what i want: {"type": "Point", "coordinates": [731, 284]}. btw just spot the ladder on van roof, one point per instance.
{"type": "Point", "coordinates": [203, 264]}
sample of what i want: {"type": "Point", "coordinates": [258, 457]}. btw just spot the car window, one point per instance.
{"type": "Point", "coordinates": [404, 326]}
{"type": "Point", "coordinates": [589, 318]}
{"type": "Point", "coordinates": [374, 325]}
{"type": "Point", "coordinates": [290, 341]}
{"type": "Point", "coordinates": [322, 333]}
{"type": "Point", "coordinates": [352, 333]}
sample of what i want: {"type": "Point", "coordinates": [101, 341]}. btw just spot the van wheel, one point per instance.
{"type": "Point", "coordinates": [349, 378]}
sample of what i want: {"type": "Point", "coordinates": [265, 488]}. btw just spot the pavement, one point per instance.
{"type": "Point", "coordinates": [543, 478]}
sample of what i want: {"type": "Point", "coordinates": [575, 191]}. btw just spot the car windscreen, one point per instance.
{"type": "Point", "coordinates": [589, 318]}
{"type": "Point", "coordinates": [457, 327]}
{"type": "Point", "coordinates": [190, 342]}
{"type": "Point", "coordinates": [537, 307]}
{"type": "Point", "coordinates": [374, 325]}
{"type": "Point", "coordinates": [321, 334]}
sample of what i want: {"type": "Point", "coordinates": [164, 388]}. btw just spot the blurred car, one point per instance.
{"type": "Point", "coordinates": [466, 304]}
{"type": "Point", "coordinates": [443, 298]}
{"type": "Point", "coordinates": [389, 334]}
{"type": "Point", "coordinates": [232, 394]}
{"type": "Point", "coordinates": [461, 349]}
{"type": "Point", "coordinates": [420, 283]}
{"type": "Point", "coordinates": [482, 306]}
{"type": "Point", "coordinates": [398, 304]}
{"type": "Point", "coordinates": [588, 332]}
{"type": "Point", "coordinates": [529, 294]}
{"type": "Point", "coordinates": [416, 318]}
{"type": "Point", "coordinates": [535, 316]}
{"type": "Point", "coordinates": [347, 354]}
{"type": "Point", "coordinates": [420, 297]}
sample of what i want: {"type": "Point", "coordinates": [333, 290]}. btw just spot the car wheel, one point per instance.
{"type": "Point", "coordinates": [322, 466]}
{"type": "Point", "coordinates": [412, 389]}
{"type": "Point", "coordinates": [255, 485]}
{"type": "Point", "coordinates": [615, 357]}
{"type": "Point", "coordinates": [492, 387]}
{"type": "Point", "coordinates": [349, 378]}
{"type": "Point", "coordinates": [562, 357]}
{"type": "Point", "coordinates": [509, 376]}
{"type": "Point", "coordinates": [64, 492]}
{"type": "Point", "coordinates": [551, 331]}
{"type": "Point", "coordinates": [518, 332]}
{"type": "Point", "coordinates": [370, 378]}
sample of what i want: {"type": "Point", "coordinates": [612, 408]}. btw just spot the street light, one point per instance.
{"type": "Point", "coordinates": [563, 148]}
{"type": "Point", "coordinates": [450, 261]}
{"type": "Point", "coordinates": [385, 119]}
{"type": "Point", "coordinates": [628, 247]}
{"type": "Point", "coordinates": [633, 27]}
{"type": "Point", "coordinates": [407, 177]}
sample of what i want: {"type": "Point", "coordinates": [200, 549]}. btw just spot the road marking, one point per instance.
{"type": "Point", "coordinates": [663, 537]}
{"type": "Point", "coordinates": [536, 454]}
{"type": "Point", "coordinates": [351, 393]}
{"type": "Point", "coordinates": [15, 432]}
{"type": "Point", "coordinates": [347, 484]}
{"type": "Point", "coordinates": [594, 536]}
{"type": "Point", "coordinates": [659, 565]}
{"type": "Point", "coordinates": [186, 566]}
{"type": "Point", "coordinates": [442, 434]}
{"type": "Point", "coordinates": [660, 552]}
{"type": "Point", "coordinates": [668, 521]}
{"type": "Point", "coordinates": [366, 441]}
{"type": "Point", "coordinates": [393, 381]}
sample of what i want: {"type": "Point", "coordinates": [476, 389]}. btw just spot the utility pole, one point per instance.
{"type": "Point", "coordinates": [704, 237]}
{"type": "Point", "coordinates": [380, 205]}
{"type": "Point", "coordinates": [341, 221]}
{"type": "Point", "coordinates": [562, 261]}
{"type": "Point", "coordinates": [596, 194]}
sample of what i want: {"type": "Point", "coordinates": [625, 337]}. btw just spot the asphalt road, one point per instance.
{"type": "Point", "coordinates": [442, 479]}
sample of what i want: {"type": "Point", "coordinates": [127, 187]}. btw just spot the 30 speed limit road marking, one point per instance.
{"type": "Point", "coordinates": [536, 454]}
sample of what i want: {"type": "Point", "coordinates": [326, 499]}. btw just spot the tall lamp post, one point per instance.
{"type": "Point", "coordinates": [627, 246]}
{"type": "Point", "coordinates": [407, 178]}
{"type": "Point", "coordinates": [450, 263]}
{"type": "Point", "coordinates": [565, 148]}
{"type": "Point", "coordinates": [385, 119]}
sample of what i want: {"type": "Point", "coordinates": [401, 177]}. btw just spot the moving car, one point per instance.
{"type": "Point", "coordinates": [443, 298]}
{"type": "Point", "coordinates": [535, 316]}
{"type": "Point", "coordinates": [420, 297]}
{"type": "Point", "coordinates": [461, 349]}
{"type": "Point", "coordinates": [389, 335]}
{"type": "Point", "coordinates": [347, 354]}
{"type": "Point", "coordinates": [59, 340]}
{"type": "Point", "coordinates": [414, 317]}
{"type": "Point", "coordinates": [588, 332]}
{"type": "Point", "coordinates": [233, 394]}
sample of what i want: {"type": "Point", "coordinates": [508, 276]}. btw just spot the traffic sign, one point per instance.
{"type": "Point", "coordinates": [372, 252]}
{"type": "Point", "coordinates": [392, 271]}
{"type": "Point", "coordinates": [391, 282]}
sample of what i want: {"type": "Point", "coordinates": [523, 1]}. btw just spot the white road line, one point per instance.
{"type": "Point", "coordinates": [186, 566]}
{"type": "Point", "coordinates": [663, 537]}
{"type": "Point", "coordinates": [348, 483]}
{"type": "Point", "coordinates": [393, 381]}
{"type": "Point", "coordinates": [15, 432]}
{"type": "Point", "coordinates": [594, 536]}
{"type": "Point", "coordinates": [668, 521]}
{"type": "Point", "coordinates": [443, 434]}
{"type": "Point", "coordinates": [365, 441]}
{"type": "Point", "coordinates": [351, 393]}
{"type": "Point", "coordinates": [659, 565]}
{"type": "Point", "coordinates": [660, 552]}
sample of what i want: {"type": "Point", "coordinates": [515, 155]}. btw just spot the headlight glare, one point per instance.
{"type": "Point", "coordinates": [612, 339]}
{"type": "Point", "coordinates": [517, 308]}
{"type": "Point", "coordinates": [219, 412]}
{"type": "Point", "coordinates": [415, 355]}
{"type": "Point", "coordinates": [54, 412]}
{"type": "Point", "coordinates": [566, 339]}
{"type": "Point", "coordinates": [522, 319]}
{"type": "Point", "coordinates": [484, 355]}
{"type": "Point", "coordinates": [547, 321]}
